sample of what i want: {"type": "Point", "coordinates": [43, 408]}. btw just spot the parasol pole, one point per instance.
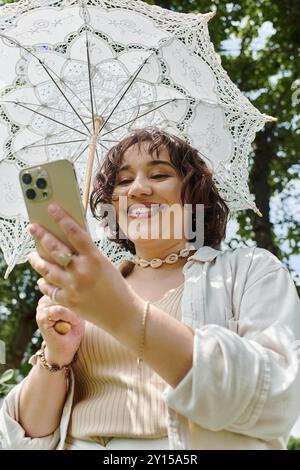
{"type": "Point", "coordinates": [60, 326]}
{"type": "Point", "coordinates": [98, 121]}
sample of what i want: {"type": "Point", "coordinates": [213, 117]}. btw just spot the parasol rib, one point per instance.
{"type": "Point", "coordinates": [50, 118]}
{"type": "Point", "coordinates": [138, 117]}
{"type": "Point", "coordinates": [68, 101]}
{"type": "Point", "coordinates": [16, 43]}
{"type": "Point", "coordinates": [38, 141]}
{"type": "Point", "coordinates": [40, 105]}
{"type": "Point", "coordinates": [91, 157]}
{"type": "Point", "coordinates": [78, 156]}
{"type": "Point", "coordinates": [90, 79]}
{"type": "Point", "coordinates": [89, 65]}
{"type": "Point", "coordinates": [147, 104]}
{"type": "Point", "coordinates": [71, 90]}
{"type": "Point", "coordinates": [132, 80]}
{"type": "Point", "coordinates": [54, 143]}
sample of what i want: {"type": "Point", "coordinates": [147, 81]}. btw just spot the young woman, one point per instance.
{"type": "Point", "coordinates": [215, 332]}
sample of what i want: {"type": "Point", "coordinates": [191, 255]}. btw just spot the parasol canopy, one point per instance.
{"type": "Point", "coordinates": [78, 75]}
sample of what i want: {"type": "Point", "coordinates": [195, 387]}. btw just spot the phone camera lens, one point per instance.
{"type": "Point", "coordinates": [41, 183]}
{"type": "Point", "coordinates": [30, 193]}
{"type": "Point", "coordinates": [26, 178]}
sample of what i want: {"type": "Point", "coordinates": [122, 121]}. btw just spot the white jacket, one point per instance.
{"type": "Point", "coordinates": [243, 390]}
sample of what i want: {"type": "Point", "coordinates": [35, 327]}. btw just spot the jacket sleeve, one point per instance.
{"type": "Point", "coordinates": [247, 383]}
{"type": "Point", "coordinates": [12, 435]}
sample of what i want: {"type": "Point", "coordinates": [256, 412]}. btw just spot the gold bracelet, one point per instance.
{"type": "Point", "coordinates": [142, 337]}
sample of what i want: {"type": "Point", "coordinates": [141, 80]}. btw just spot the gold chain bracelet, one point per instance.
{"type": "Point", "coordinates": [142, 336]}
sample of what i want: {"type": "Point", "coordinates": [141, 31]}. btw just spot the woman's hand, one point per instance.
{"type": "Point", "coordinates": [90, 285]}
{"type": "Point", "coordinates": [60, 349]}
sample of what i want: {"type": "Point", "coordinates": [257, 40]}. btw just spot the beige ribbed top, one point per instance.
{"type": "Point", "coordinates": [111, 398]}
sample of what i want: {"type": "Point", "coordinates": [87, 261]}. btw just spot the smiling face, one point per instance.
{"type": "Point", "coordinates": [144, 180]}
{"type": "Point", "coordinates": [145, 188]}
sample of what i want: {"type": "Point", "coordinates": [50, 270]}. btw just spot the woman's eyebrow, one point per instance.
{"type": "Point", "coordinates": [152, 163]}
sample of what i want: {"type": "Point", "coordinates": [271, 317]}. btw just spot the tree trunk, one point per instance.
{"type": "Point", "coordinates": [20, 340]}
{"type": "Point", "coordinates": [260, 187]}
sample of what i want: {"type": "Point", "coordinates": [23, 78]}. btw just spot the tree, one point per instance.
{"type": "Point", "coordinates": [266, 70]}
{"type": "Point", "coordinates": [19, 296]}
{"type": "Point", "coordinates": [293, 444]}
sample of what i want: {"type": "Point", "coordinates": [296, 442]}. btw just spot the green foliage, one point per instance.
{"type": "Point", "coordinates": [8, 380]}
{"type": "Point", "coordinates": [294, 443]}
{"type": "Point", "coordinates": [19, 295]}
{"type": "Point", "coordinates": [263, 59]}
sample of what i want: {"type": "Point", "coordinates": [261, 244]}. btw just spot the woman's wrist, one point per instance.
{"type": "Point", "coordinates": [57, 359]}
{"type": "Point", "coordinates": [131, 326]}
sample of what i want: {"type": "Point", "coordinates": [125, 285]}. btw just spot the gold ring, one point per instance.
{"type": "Point", "coordinates": [53, 295]}
{"type": "Point", "coordinates": [65, 259]}
{"type": "Point", "coordinates": [50, 319]}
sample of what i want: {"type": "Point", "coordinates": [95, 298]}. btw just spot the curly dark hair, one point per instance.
{"type": "Point", "coordinates": [198, 186]}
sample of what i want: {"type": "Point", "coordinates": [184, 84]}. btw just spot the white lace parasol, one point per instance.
{"type": "Point", "coordinates": [67, 63]}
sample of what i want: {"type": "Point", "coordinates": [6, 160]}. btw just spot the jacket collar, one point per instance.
{"type": "Point", "coordinates": [205, 253]}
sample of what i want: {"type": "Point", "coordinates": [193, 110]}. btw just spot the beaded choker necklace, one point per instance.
{"type": "Point", "coordinates": [157, 262]}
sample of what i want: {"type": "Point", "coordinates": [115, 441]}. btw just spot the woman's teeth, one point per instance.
{"type": "Point", "coordinates": [144, 212]}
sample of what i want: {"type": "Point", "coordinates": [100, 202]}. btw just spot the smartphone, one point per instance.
{"type": "Point", "coordinates": [53, 182]}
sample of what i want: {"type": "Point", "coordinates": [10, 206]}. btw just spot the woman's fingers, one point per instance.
{"type": "Point", "coordinates": [77, 237]}
{"type": "Point", "coordinates": [58, 312]}
{"type": "Point", "coordinates": [44, 301]}
{"type": "Point", "coordinates": [49, 315]}
{"type": "Point", "coordinates": [52, 245]}
{"type": "Point", "coordinates": [52, 273]}
{"type": "Point", "coordinates": [52, 317]}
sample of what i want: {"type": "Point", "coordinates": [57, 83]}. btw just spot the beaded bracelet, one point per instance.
{"type": "Point", "coordinates": [39, 359]}
{"type": "Point", "coordinates": [51, 367]}
{"type": "Point", "coordinates": [142, 337]}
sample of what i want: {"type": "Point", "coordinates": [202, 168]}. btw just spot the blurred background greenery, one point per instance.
{"type": "Point", "coordinates": [259, 43]}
